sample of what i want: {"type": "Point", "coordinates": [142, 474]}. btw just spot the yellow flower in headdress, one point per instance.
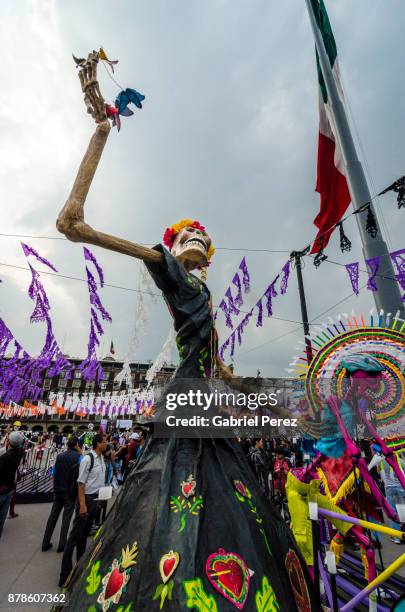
{"type": "Point", "coordinates": [172, 231]}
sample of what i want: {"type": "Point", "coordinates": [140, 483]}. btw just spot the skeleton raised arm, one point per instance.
{"type": "Point", "coordinates": [71, 220]}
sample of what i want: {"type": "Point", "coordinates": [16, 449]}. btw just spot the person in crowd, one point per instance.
{"type": "Point", "coordinates": [9, 462]}
{"type": "Point", "coordinates": [280, 471]}
{"type": "Point", "coordinates": [109, 472]}
{"type": "Point", "coordinates": [130, 457]}
{"type": "Point", "coordinates": [91, 479]}
{"type": "Point", "coordinates": [61, 498]}
{"type": "Point", "coordinates": [257, 461]}
{"type": "Point", "coordinates": [141, 444]}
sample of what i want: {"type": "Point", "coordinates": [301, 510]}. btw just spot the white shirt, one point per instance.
{"type": "Point", "coordinates": [95, 479]}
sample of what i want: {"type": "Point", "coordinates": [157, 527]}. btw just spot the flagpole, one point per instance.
{"type": "Point", "coordinates": [388, 297]}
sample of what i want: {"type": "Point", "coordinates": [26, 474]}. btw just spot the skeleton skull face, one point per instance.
{"type": "Point", "coordinates": [191, 246]}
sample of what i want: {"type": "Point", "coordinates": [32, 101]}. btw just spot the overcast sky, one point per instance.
{"type": "Point", "coordinates": [227, 135]}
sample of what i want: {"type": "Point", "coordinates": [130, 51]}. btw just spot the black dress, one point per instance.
{"type": "Point", "coordinates": [191, 528]}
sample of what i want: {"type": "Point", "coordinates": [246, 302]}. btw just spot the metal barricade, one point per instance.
{"type": "Point", "coordinates": [35, 480]}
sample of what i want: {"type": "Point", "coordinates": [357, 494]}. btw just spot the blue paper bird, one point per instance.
{"type": "Point", "coordinates": [125, 97]}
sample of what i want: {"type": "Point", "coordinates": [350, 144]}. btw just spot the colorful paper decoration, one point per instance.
{"type": "Point", "coordinates": [269, 294]}
{"type": "Point", "coordinates": [353, 272]}
{"type": "Point", "coordinates": [398, 187]}
{"type": "Point", "coordinates": [90, 367]}
{"type": "Point", "coordinates": [229, 575]}
{"type": "Point", "coordinates": [286, 269]}
{"type": "Point", "coordinates": [374, 265]}
{"type": "Point", "coordinates": [398, 258]}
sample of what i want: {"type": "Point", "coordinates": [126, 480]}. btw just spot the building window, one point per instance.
{"type": "Point", "coordinates": [77, 374]}
{"type": "Point", "coordinates": [76, 384]}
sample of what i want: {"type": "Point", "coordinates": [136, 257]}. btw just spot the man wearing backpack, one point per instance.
{"type": "Point", "coordinates": [61, 498]}
{"type": "Point", "coordinates": [91, 478]}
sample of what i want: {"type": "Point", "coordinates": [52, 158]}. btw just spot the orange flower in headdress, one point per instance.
{"type": "Point", "coordinates": [172, 231]}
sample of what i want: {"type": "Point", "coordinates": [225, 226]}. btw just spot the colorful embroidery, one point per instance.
{"type": "Point", "coordinates": [197, 597]}
{"type": "Point", "coordinates": [128, 608]}
{"type": "Point", "coordinates": [94, 553]}
{"type": "Point", "coordinates": [163, 591]}
{"type": "Point", "coordinates": [93, 579]}
{"type": "Point", "coordinates": [229, 574]}
{"type": "Point", "coordinates": [189, 486]}
{"type": "Point", "coordinates": [167, 566]}
{"type": "Point", "coordinates": [204, 361]}
{"type": "Point", "coordinates": [179, 504]}
{"type": "Point", "coordinates": [115, 581]}
{"type": "Point", "coordinates": [264, 536]}
{"type": "Point", "coordinates": [241, 489]}
{"type": "Point", "coordinates": [243, 494]}
{"type": "Point", "coordinates": [181, 349]}
{"type": "Point", "coordinates": [297, 581]}
{"type": "Point", "coordinates": [265, 599]}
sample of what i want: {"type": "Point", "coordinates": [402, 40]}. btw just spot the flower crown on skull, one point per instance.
{"type": "Point", "coordinates": [172, 231]}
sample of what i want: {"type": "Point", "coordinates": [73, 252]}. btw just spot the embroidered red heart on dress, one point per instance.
{"type": "Point", "coordinates": [241, 488]}
{"type": "Point", "coordinates": [297, 581]}
{"type": "Point", "coordinates": [188, 488]}
{"type": "Point", "coordinates": [168, 564]}
{"type": "Point", "coordinates": [229, 574]}
{"type": "Point", "coordinates": [114, 583]}
{"type": "Point", "coordinates": [232, 579]}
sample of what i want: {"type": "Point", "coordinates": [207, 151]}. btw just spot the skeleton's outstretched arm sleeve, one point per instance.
{"type": "Point", "coordinates": [71, 221]}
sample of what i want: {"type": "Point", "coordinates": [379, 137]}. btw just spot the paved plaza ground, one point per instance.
{"type": "Point", "coordinates": [24, 568]}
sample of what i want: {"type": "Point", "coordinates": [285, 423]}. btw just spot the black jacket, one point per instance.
{"type": "Point", "coordinates": [64, 462]}
{"type": "Point", "coordinates": [9, 462]}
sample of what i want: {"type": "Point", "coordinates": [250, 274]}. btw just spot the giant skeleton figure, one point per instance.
{"type": "Point", "coordinates": [191, 528]}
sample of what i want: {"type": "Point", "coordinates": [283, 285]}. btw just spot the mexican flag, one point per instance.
{"type": "Point", "coordinates": [331, 180]}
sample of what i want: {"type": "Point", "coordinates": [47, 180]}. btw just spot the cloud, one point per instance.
{"type": "Point", "coordinates": [227, 134]}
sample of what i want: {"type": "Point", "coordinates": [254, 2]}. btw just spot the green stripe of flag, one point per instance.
{"type": "Point", "coordinates": [322, 20]}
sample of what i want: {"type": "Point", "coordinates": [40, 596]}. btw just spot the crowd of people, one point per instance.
{"type": "Point", "coordinates": [272, 459]}
{"type": "Point", "coordinates": [86, 463]}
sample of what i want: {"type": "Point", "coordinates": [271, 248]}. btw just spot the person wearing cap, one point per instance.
{"type": "Point", "coordinates": [61, 498]}
{"type": "Point", "coordinates": [9, 462]}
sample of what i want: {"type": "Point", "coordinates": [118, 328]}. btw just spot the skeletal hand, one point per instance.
{"type": "Point", "coordinates": [93, 99]}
